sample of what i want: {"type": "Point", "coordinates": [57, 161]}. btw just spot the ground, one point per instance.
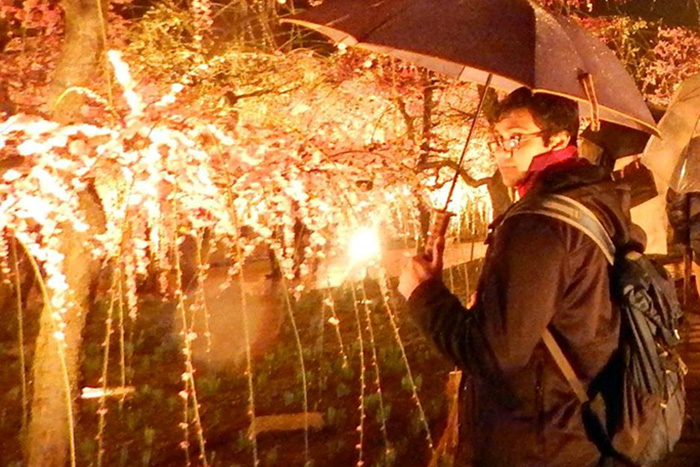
{"type": "Point", "coordinates": [145, 429]}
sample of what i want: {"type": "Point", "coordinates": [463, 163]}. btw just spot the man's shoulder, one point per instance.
{"type": "Point", "coordinates": [606, 200]}
{"type": "Point", "coordinates": [523, 227]}
{"type": "Point", "coordinates": [551, 225]}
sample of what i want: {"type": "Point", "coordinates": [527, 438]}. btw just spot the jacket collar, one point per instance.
{"type": "Point", "coordinates": [568, 175]}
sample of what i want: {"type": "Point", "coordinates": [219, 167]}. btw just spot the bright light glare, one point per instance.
{"type": "Point", "coordinates": [364, 245]}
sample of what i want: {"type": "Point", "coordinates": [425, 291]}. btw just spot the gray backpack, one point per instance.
{"type": "Point", "coordinates": [635, 409]}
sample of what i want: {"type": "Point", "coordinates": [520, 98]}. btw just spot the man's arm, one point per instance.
{"type": "Point", "coordinates": [453, 328]}
{"type": "Point", "coordinates": [522, 286]}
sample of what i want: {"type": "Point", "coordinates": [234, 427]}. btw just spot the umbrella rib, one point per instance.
{"type": "Point", "coordinates": [368, 32]}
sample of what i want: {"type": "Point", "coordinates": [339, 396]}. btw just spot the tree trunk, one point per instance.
{"type": "Point", "coordinates": [48, 441]}
{"type": "Point", "coordinates": [80, 57]}
{"type": "Point", "coordinates": [48, 437]}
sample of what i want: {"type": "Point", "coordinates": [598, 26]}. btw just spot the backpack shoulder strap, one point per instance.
{"type": "Point", "coordinates": [579, 216]}
{"type": "Point", "coordinates": [564, 365]}
{"type": "Point", "coordinates": [572, 212]}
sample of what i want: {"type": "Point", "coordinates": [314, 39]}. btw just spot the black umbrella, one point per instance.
{"type": "Point", "coordinates": [516, 41]}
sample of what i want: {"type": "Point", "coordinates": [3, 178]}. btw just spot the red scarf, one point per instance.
{"type": "Point", "coordinates": [541, 162]}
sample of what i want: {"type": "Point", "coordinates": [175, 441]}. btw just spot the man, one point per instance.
{"type": "Point", "coordinates": [538, 272]}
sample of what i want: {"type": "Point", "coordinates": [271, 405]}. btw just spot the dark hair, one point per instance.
{"type": "Point", "coordinates": [551, 113]}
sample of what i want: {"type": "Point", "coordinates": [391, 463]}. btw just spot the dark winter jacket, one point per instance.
{"type": "Point", "coordinates": [538, 272]}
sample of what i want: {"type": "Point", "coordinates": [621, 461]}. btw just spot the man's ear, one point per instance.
{"type": "Point", "coordinates": [559, 140]}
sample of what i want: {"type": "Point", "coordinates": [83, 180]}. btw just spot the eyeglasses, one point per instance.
{"type": "Point", "coordinates": [511, 144]}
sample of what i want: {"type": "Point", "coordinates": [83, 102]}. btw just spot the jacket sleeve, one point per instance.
{"type": "Point", "coordinates": [521, 288]}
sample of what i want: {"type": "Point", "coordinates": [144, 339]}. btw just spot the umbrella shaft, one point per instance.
{"type": "Point", "coordinates": [466, 143]}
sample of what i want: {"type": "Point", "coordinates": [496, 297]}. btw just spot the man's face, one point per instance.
{"type": "Point", "coordinates": [521, 141]}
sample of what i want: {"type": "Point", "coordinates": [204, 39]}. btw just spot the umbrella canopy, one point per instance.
{"type": "Point", "coordinates": [518, 42]}
{"type": "Point", "coordinates": [675, 156]}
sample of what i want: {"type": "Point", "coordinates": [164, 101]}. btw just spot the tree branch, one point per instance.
{"type": "Point", "coordinates": [410, 130]}
{"type": "Point", "coordinates": [232, 97]}
{"type": "Point", "coordinates": [450, 164]}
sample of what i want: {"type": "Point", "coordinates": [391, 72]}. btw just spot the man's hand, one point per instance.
{"type": "Point", "coordinates": [422, 268]}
